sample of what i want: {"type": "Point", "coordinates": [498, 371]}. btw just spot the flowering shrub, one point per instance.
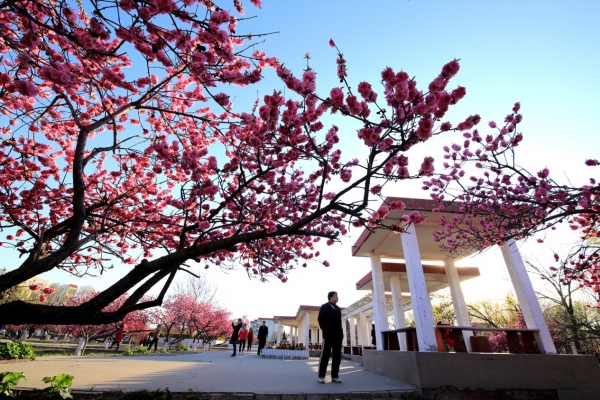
{"type": "Point", "coordinates": [289, 346]}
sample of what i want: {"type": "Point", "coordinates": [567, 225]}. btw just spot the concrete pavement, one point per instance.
{"type": "Point", "coordinates": [210, 371]}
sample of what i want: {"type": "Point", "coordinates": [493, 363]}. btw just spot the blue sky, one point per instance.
{"type": "Point", "coordinates": [544, 54]}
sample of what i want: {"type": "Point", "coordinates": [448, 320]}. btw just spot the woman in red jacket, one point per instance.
{"type": "Point", "coordinates": [242, 337]}
{"type": "Point", "coordinates": [118, 337]}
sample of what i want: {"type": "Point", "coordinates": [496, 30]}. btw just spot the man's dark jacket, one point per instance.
{"type": "Point", "coordinates": [236, 329]}
{"type": "Point", "coordinates": [330, 322]}
{"type": "Point", "coordinates": [263, 332]}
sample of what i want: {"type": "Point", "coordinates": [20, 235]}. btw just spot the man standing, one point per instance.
{"type": "Point", "coordinates": [234, 335]}
{"type": "Point", "coordinates": [155, 337]}
{"type": "Point", "coordinates": [330, 322]}
{"type": "Point", "coordinates": [263, 332]}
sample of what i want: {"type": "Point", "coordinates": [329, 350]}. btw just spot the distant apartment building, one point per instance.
{"type": "Point", "coordinates": [63, 291]}
{"type": "Point", "coordinates": [257, 323]}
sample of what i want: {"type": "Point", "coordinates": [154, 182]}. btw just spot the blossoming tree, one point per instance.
{"type": "Point", "coordinates": [133, 323]}
{"type": "Point", "coordinates": [501, 200]}
{"type": "Point", "coordinates": [121, 143]}
{"type": "Point", "coordinates": [188, 317]}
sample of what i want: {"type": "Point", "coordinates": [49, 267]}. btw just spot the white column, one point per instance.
{"type": "Point", "coordinates": [379, 303]}
{"type": "Point", "coordinates": [352, 330]}
{"type": "Point", "coordinates": [278, 331]}
{"type": "Point", "coordinates": [365, 329]}
{"type": "Point", "coordinates": [418, 291]}
{"type": "Point", "coordinates": [399, 317]}
{"type": "Point", "coordinates": [532, 312]}
{"type": "Point", "coordinates": [294, 333]}
{"type": "Point", "coordinates": [458, 300]}
{"type": "Point", "coordinates": [306, 328]}
{"type": "Point", "coordinates": [344, 342]}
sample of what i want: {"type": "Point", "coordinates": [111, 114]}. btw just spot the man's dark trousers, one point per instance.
{"type": "Point", "coordinates": [333, 349]}
{"type": "Point", "coordinates": [261, 344]}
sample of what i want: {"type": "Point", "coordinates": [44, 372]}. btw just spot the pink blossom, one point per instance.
{"type": "Point", "coordinates": [26, 88]}
{"type": "Point", "coordinates": [203, 225]}
{"type": "Point", "coordinates": [331, 43]}
{"type": "Point", "coordinates": [458, 94]}
{"type": "Point", "coordinates": [383, 211]}
{"type": "Point", "coordinates": [427, 167]}
{"type": "Point", "coordinates": [397, 205]}
{"type": "Point", "coordinates": [376, 189]}
{"type": "Point", "coordinates": [220, 17]}
{"type": "Point", "coordinates": [425, 127]}
{"type": "Point", "coordinates": [43, 298]}
{"type": "Point", "coordinates": [309, 79]}
{"type": "Point", "coordinates": [450, 69]}
{"type": "Point", "coordinates": [257, 3]}
{"type": "Point", "coordinates": [365, 90]}
{"type": "Point", "coordinates": [49, 290]}
{"type": "Point", "coordinates": [337, 97]}
{"type": "Point", "coordinates": [34, 287]}
{"type": "Point", "coordinates": [445, 126]}
{"type": "Point", "coordinates": [346, 175]}
{"type": "Point", "coordinates": [416, 217]}
{"type": "Point", "coordinates": [24, 59]}
{"type": "Point", "coordinates": [591, 162]}
{"type": "Point", "coordinates": [222, 99]}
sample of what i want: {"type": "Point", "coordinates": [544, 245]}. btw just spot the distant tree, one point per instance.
{"type": "Point", "coordinates": [571, 320]}
{"type": "Point", "coordinates": [495, 314]}
{"type": "Point", "coordinates": [190, 318]}
{"type": "Point", "coordinates": [197, 286]}
{"type": "Point", "coordinates": [134, 322]}
{"type": "Point", "coordinates": [442, 307]}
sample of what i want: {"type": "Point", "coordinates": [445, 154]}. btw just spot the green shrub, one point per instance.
{"type": "Point", "coordinates": [59, 385]}
{"type": "Point", "coordinates": [183, 346]}
{"type": "Point", "coordinates": [142, 350]}
{"type": "Point", "coordinates": [128, 353]}
{"type": "Point", "coordinates": [8, 380]}
{"type": "Point", "coordinates": [15, 350]}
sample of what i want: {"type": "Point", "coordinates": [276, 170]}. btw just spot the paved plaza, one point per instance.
{"type": "Point", "coordinates": [210, 371]}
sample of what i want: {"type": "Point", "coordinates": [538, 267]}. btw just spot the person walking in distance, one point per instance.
{"type": "Point", "coordinates": [250, 339]}
{"type": "Point", "coordinates": [242, 337]}
{"type": "Point", "coordinates": [235, 334]}
{"type": "Point", "coordinates": [263, 332]}
{"type": "Point", "coordinates": [155, 336]}
{"type": "Point", "coordinates": [118, 337]}
{"type": "Point", "coordinates": [330, 322]}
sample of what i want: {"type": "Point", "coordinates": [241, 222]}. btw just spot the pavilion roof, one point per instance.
{"type": "Point", "coordinates": [435, 276]}
{"type": "Point", "coordinates": [387, 244]}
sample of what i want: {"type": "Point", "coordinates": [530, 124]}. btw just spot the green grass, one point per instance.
{"type": "Point", "coordinates": [69, 352]}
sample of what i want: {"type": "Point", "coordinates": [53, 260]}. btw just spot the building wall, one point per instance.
{"type": "Point", "coordinates": [64, 291]}
{"type": "Point", "coordinates": [269, 323]}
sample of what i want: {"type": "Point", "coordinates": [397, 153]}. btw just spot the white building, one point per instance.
{"type": "Point", "coordinates": [269, 323]}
